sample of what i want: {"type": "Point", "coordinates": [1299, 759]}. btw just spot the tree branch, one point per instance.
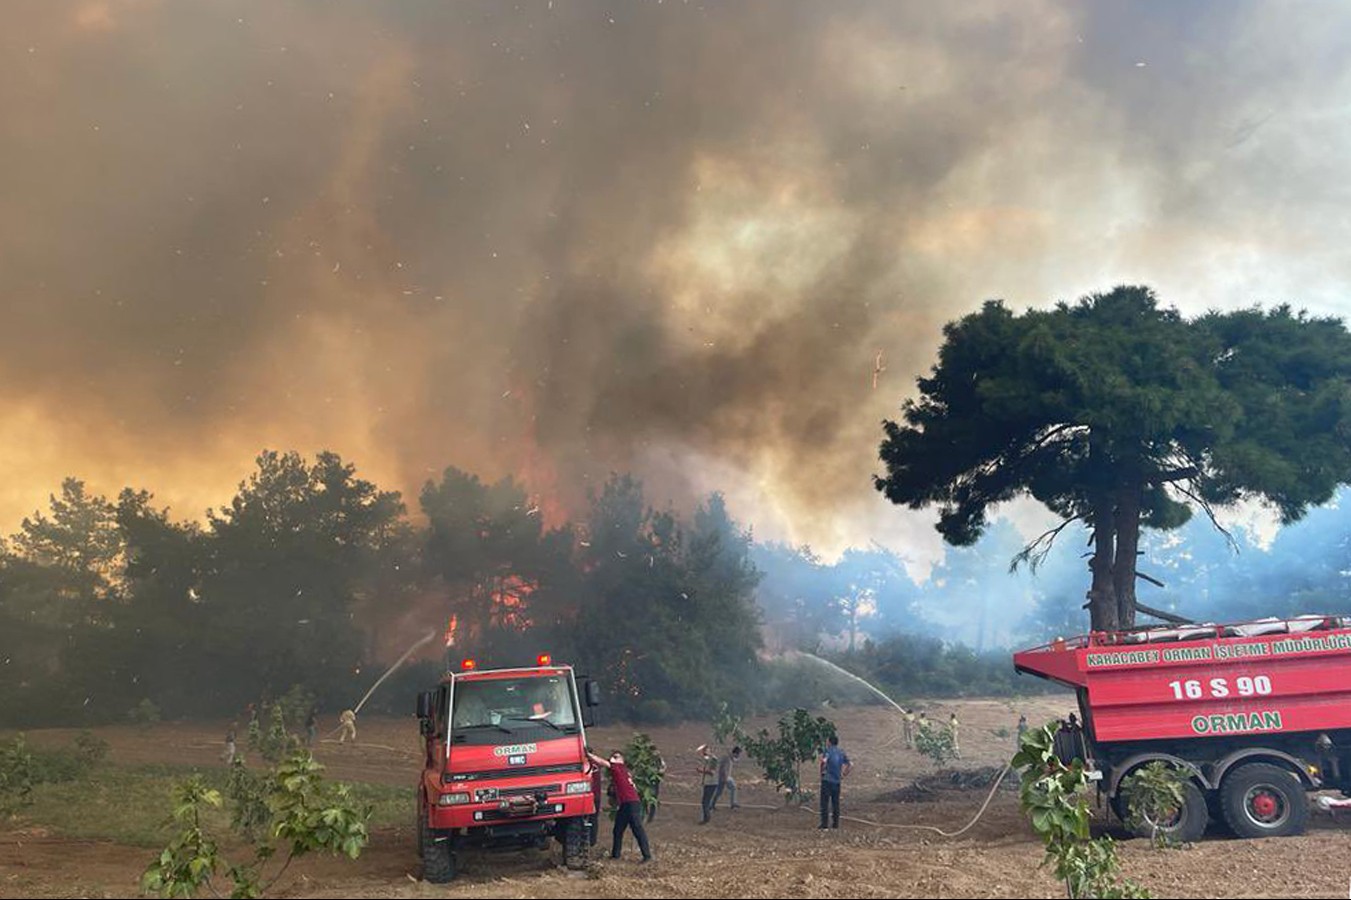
{"type": "Point", "coordinates": [1171, 618]}
{"type": "Point", "coordinates": [1034, 554]}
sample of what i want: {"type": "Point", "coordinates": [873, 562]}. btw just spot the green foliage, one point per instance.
{"type": "Point", "coordinates": [936, 743]}
{"type": "Point", "coordinates": [295, 706]}
{"type": "Point", "coordinates": [800, 739]}
{"type": "Point", "coordinates": [695, 643]}
{"type": "Point", "coordinates": [725, 725]}
{"type": "Point", "coordinates": [1051, 794]}
{"type": "Point", "coordinates": [292, 806]}
{"type": "Point", "coordinates": [644, 764]}
{"type": "Point", "coordinates": [1119, 412]}
{"type": "Point", "coordinates": [187, 864]}
{"type": "Point", "coordinates": [248, 793]}
{"type": "Point", "coordinates": [91, 749]}
{"type": "Point", "coordinates": [144, 713]}
{"type": "Point", "coordinates": [1154, 796]}
{"type": "Point", "coordinates": [17, 775]}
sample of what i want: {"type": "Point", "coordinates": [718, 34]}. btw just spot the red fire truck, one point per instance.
{"type": "Point", "coordinates": [1257, 713]}
{"type": "Point", "coordinates": [505, 764]}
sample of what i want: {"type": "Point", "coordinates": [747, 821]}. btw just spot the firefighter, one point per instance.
{"type": "Point", "coordinates": [348, 723]}
{"type": "Point", "coordinates": [835, 766]}
{"type": "Point", "coordinates": [953, 725]}
{"type": "Point", "coordinates": [630, 813]}
{"type": "Point", "coordinates": [908, 728]}
{"type": "Point", "coordinates": [1022, 728]}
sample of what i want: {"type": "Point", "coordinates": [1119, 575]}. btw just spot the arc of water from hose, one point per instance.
{"type": "Point", "coordinates": [847, 673]}
{"type": "Point", "coordinates": [390, 671]}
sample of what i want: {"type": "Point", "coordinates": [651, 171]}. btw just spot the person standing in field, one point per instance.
{"type": "Point", "coordinates": [1022, 728]}
{"type": "Point", "coordinates": [708, 774]}
{"type": "Point", "coordinates": [656, 789]}
{"type": "Point", "coordinates": [630, 812]}
{"type": "Point", "coordinates": [908, 729]}
{"type": "Point", "coordinates": [229, 754]}
{"type": "Point", "coordinates": [953, 725]}
{"type": "Point", "coordinates": [725, 779]}
{"type": "Point", "coordinates": [835, 766]}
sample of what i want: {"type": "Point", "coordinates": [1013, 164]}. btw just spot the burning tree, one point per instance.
{"type": "Point", "coordinates": [1122, 415]}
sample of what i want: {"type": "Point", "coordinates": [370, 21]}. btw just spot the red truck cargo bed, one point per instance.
{"type": "Point", "coordinates": [1207, 680]}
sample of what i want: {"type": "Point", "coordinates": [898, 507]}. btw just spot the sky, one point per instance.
{"type": "Point", "coordinates": [562, 238]}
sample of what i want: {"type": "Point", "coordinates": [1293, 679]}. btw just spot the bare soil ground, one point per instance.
{"type": "Point", "coordinates": [754, 852]}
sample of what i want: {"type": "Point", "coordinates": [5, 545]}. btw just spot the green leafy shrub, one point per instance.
{"type": "Point", "coordinates": [145, 713]}
{"type": "Point", "coordinates": [780, 757]}
{"type": "Point", "coordinates": [303, 815]}
{"type": "Point", "coordinates": [1154, 794]}
{"type": "Point", "coordinates": [644, 764]}
{"type": "Point", "coordinates": [1052, 796]}
{"type": "Point", "coordinates": [936, 742]}
{"type": "Point", "coordinates": [17, 775]}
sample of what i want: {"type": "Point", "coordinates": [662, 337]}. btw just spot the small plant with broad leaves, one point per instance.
{"type": "Point", "coordinates": [800, 740]}
{"type": "Point", "coordinates": [1154, 795]}
{"type": "Point", "coordinates": [289, 813]}
{"type": "Point", "coordinates": [1052, 795]}
{"type": "Point", "coordinates": [644, 765]}
{"type": "Point", "coordinates": [936, 742]}
{"type": "Point", "coordinates": [18, 775]}
{"type": "Point", "coordinates": [725, 726]}
{"type": "Point", "coordinates": [145, 713]}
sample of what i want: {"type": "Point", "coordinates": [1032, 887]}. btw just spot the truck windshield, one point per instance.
{"type": "Point", "coordinates": [511, 705]}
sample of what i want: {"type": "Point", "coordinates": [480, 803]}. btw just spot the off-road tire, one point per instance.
{"type": "Point", "coordinates": [437, 852]}
{"type": "Point", "coordinates": [576, 843]}
{"type": "Point", "coordinates": [1262, 800]}
{"type": "Point", "coordinates": [1190, 825]}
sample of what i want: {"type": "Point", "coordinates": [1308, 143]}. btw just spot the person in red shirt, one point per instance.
{"type": "Point", "coordinates": [630, 812]}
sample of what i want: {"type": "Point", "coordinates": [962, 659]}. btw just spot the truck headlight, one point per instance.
{"type": "Point", "coordinates": [453, 799]}
{"type": "Point", "coordinates": [578, 787]}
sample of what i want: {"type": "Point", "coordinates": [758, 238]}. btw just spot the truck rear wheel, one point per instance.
{"type": "Point", "coordinates": [1184, 827]}
{"type": "Point", "coordinates": [1262, 800]}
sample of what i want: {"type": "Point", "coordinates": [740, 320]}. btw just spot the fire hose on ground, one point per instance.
{"type": "Point", "coordinates": [994, 788]}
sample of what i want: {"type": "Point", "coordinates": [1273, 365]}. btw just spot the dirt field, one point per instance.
{"type": "Point", "coordinates": [753, 852]}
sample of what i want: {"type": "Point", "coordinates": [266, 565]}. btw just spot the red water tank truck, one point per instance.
{"type": "Point", "coordinates": [1256, 713]}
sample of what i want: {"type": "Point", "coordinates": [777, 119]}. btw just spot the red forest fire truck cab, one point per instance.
{"type": "Point", "coordinates": [1257, 713]}
{"type": "Point", "coordinates": [506, 764]}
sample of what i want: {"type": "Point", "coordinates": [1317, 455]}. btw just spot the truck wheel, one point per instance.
{"type": "Point", "coordinates": [438, 854]}
{"type": "Point", "coordinates": [575, 844]}
{"type": "Point", "coordinates": [1184, 827]}
{"type": "Point", "coordinates": [1262, 800]}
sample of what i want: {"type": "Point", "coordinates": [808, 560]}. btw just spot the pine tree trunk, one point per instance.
{"type": "Point", "coordinates": [1102, 605]}
{"type": "Point", "coordinates": [1127, 551]}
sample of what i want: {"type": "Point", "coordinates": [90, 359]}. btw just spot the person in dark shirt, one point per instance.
{"type": "Point", "coordinates": [630, 812]}
{"type": "Point", "coordinates": [835, 766]}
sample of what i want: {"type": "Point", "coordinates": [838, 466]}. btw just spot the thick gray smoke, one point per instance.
{"type": "Point", "coordinates": [560, 238]}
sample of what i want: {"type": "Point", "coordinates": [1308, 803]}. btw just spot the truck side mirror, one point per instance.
{"type": "Point", "coordinates": [592, 693]}
{"type": "Point", "coordinates": [424, 705]}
